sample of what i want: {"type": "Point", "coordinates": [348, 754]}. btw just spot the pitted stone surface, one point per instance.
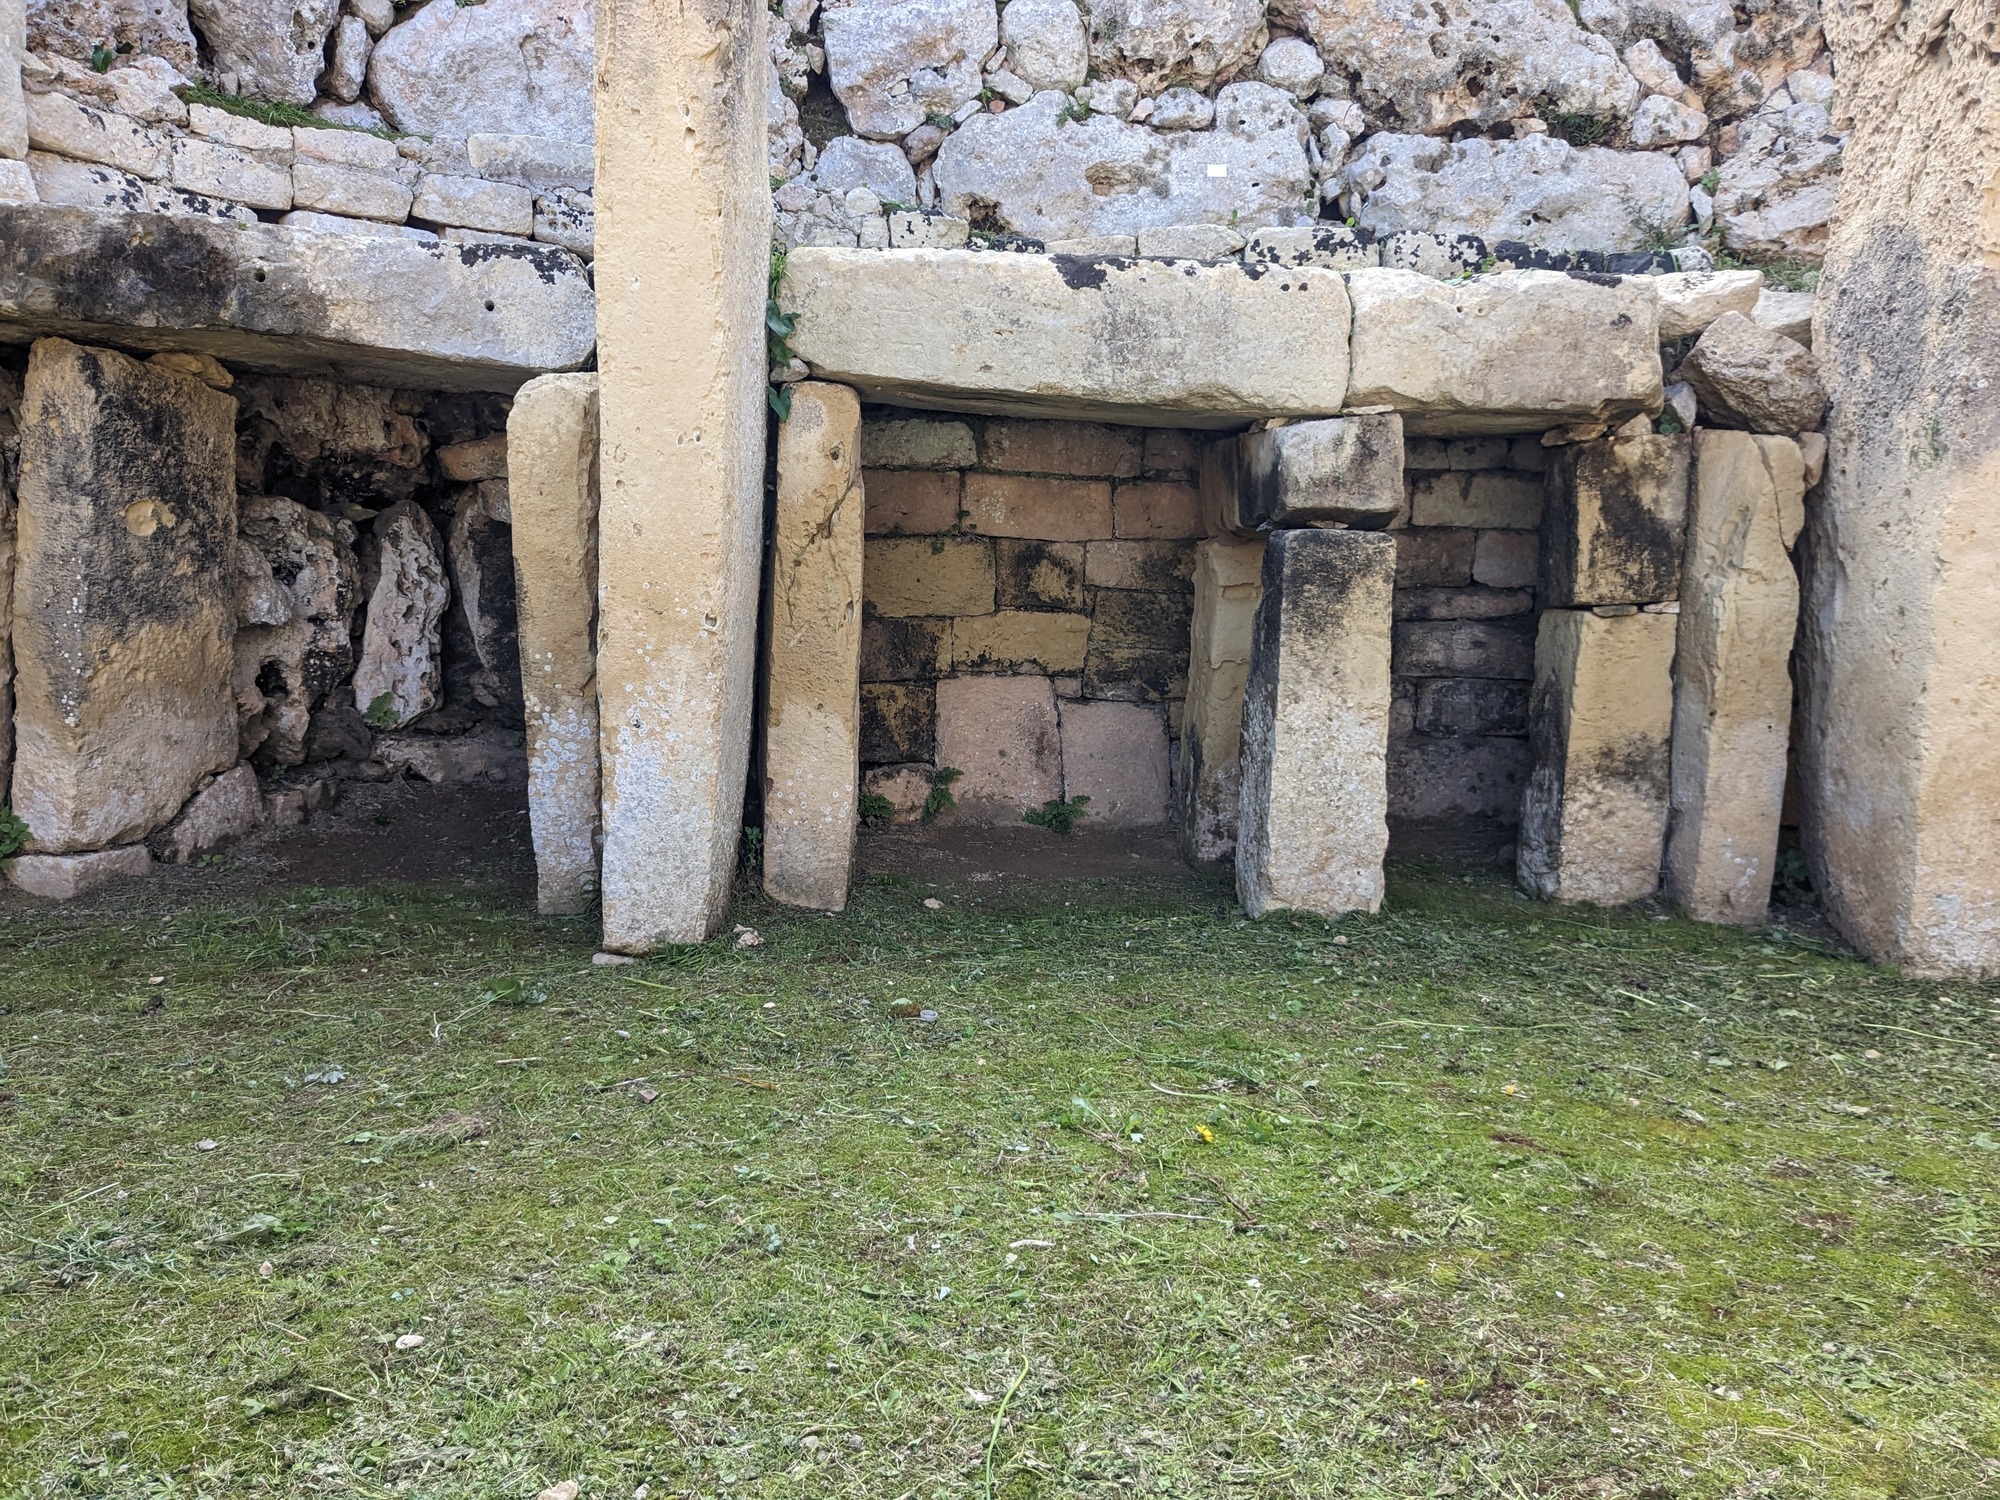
{"type": "Point", "coordinates": [1227, 585]}
{"type": "Point", "coordinates": [500, 67]}
{"type": "Point", "coordinates": [1344, 470]}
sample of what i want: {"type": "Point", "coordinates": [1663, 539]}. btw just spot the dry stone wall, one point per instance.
{"type": "Point", "coordinates": [1609, 126]}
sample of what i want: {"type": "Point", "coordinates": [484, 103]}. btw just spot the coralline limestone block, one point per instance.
{"type": "Point", "coordinates": [1116, 755]}
{"type": "Point", "coordinates": [1169, 342]}
{"type": "Point", "coordinates": [1227, 586]}
{"type": "Point", "coordinates": [812, 714]}
{"type": "Point", "coordinates": [1612, 519]}
{"type": "Point", "coordinates": [1594, 817]}
{"type": "Point", "coordinates": [377, 310]}
{"type": "Point", "coordinates": [1517, 351]}
{"type": "Point", "coordinates": [1732, 675]}
{"type": "Point", "coordinates": [125, 597]}
{"type": "Point", "coordinates": [1347, 470]}
{"type": "Point", "coordinates": [551, 463]}
{"type": "Point", "coordinates": [1313, 809]}
{"type": "Point", "coordinates": [401, 671]}
{"type": "Point", "coordinates": [1003, 734]}
{"type": "Point", "coordinates": [683, 249]}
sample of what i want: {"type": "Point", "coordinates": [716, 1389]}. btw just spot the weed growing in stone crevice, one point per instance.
{"type": "Point", "coordinates": [778, 326]}
{"type": "Point", "coordinates": [876, 810]}
{"type": "Point", "coordinates": [1578, 127]}
{"type": "Point", "coordinates": [940, 799]}
{"type": "Point", "coordinates": [267, 112]}
{"type": "Point", "coordinates": [13, 832]}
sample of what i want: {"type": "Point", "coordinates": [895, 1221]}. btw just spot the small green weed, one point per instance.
{"type": "Point", "coordinates": [266, 112]}
{"type": "Point", "coordinates": [101, 58]}
{"type": "Point", "coordinates": [13, 832]}
{"type": "Point", "coordinates": [381, 712]}
{"type": "Point", "coordinates": [1710, 181]}
{"type": "Point", "coordinates": [1578, 127]}
{"type": "Point", "coordinates": [778, 326]}
{"type": "Point", "coordinates": [877, 811]}
{"type": "Point", "coordinates": [1057, 815]}
{"type": "Point", "coordinates": [940, 799]}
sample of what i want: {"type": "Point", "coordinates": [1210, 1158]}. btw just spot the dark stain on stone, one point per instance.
{"type": "Point", "coordinates": [1087, 273]}
{"type": "Point", "coordinates": [898, 722]}
{"type": "Point", "coordinates": [900, 650]}
{"type": "Point", "coordinates": [550, 262]}
{"type": "Point", "coordinates": [1595, 278]}
{"type": "Point", "coordinates": [1613, 517]}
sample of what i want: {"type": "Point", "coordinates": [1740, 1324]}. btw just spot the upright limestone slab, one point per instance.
{"type": "Point", "coordinates": [1732, 675]}
{"type": "Point", "coordinates": [1613, 514]}
{"type": "Point", "coordinates": [552, 483]}
{"type": "Point", "coordinates": [1227, 586]}
{"type": "Point", "coordinates": [683, 250]}
{"type": "Point", "coordinates": [6, 628]}
{"type": "Point", "coordinates": [812, 672]}
{"type": "Point", "coordinates": [1344, 470]}
{"type": "Point", "coordinates": [125, 604]}
{"type": "Point", "coordinates": [1313, 811]}
{"type": "Point", "coordinates": [1899, 755]}
{"type": "Point", "coordinates": [1594, 818]}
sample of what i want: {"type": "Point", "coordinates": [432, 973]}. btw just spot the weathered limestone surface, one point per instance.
{"type": "Point", "coordinates": [124, 596]}
{"type": "Point", "coordinates": [683, 246]}
{"type": "Point", "coordinates": [381, 311]}
{"type": "Point", "coordinates": [1613, 515]}
{"type": "Point", "coordinates": [1594, 817]}
{"type": "Point", "coordinates": [1003, 734]}
{"type": "Point", "coordinates": [401, 670]}
{"type": "Point", "coordinates": [1732, 675]}
{"type": "Point", "coordinates": [297, 589]}
{"type": "Point", "coordinates": [1313, 810]}
{"type": "Point", "coordinates": [1167, 342]}
{"type": "Point", "coordinates": [1116, 755]}
{"type": "Point", "coordinates": [1227, 586]}
{"type": "Point", "coordinates": [6, 623]}
{"type": "Point", "coordinates": [812, 670]}
{"type": "Point", "coordinates": [1347, 470]}
{"type": "Point", "coordinates": [64, 877]}
{"type": "Point", "coordinates": [552, 488]}
{"type": "Point", "coordinates": [13, 105]}
{"type": "Point", "coordinates": [220, 813]}
{"type": "Point", "coordinates": [1900, 756]}
{"type": "Point", "coordinates": [1517, 351]}
{"type": "Point", "coordinates": [480, 549]}
{"type": "Point", "coordinates": [1749, 376]}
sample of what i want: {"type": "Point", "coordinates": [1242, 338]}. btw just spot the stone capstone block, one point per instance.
{"type": "Point", "coordinates": [1020, 640]}
{"type": "Point", "coordinates": [812, 730]}
{"type": "Point", "coordinates": [473, 203]}
{"type": "Point", "coordinates": [551, 460]}
{"type": "Point", "coordinates": [929, 576]}
{"type": "Point", "coordinates": [1732, 676]}
{"type": "Point", "coordinates": [1313, 808]}
{"type": "Point", "coordinates": [1594, 816]}
{"type": "Point", "coordinates": [1612, 522]}
{"type": "Point", "coordinates": [222, 812]}
{"type": "Point", "coordinates": [64, 877]}
{"type": "Point", "coordinates": [1516, 351]}
{"type": "Point", "coordinates": [1057, 510]}
{"type": "Point", "coordinates": [371, 309]}
{"type": "Point", "coordinates": [400, 673]}
{"type": "Point", "coordinates": [1116, 755]}
{"type": "Point", "coordinates": [1227, 585]}
{"type": "Point", "coordinates": [1344, 470]}
{"type": "Point", "coordinates": [898, 722]}
{"type": "Point", "coordinates": [1043, 335]}
{"type": "Point", "coordinates": [125, 599]}
{"type": "Point", "coordinates": [1003, 734]}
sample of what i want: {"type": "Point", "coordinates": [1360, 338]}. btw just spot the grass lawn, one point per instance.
{"type": "Point", "coordinates": [391, 1191]}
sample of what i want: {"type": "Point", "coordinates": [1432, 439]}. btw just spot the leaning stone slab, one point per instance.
{"type": "Point", "coordinates": [125, 598]}
{"type": "Point", "coordinates": [219, 814]}
{"type": "Point", "coordinates": [1227, 586]}
{"type": "Point", "coordinates": [552, 490]}
{"type": "Point", "coordinates": [1343, 470]}
{"type": "Point", "coordinates": [1173, 343]}
{"type": "Point", "coordinates": [1516, 351]}
{"type": "Point", "coordinates": [1613, 513]}
{"type": "Point", "coordinates": [400, 673]}
{"type": "Point", "coordinates": [812, 661]}
{"type": "Point", "coordinates": [1594, 817]}
{"type": "Point", "coordinates": [1732, 675]}
{"type": "Point", "coordinates": [682, 271]}
{"type": "Point", "coordinates": [377, 310]}
{"type": "Point", "coordinates": [64, 877]}
{"type": "Point", "coordinates": [1313, 809]}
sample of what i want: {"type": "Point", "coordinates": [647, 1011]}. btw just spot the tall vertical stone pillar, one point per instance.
{"type": "Point", "coordinates": [683, 251]}
{"type": "Point", "coordinates": [1227, 587]}
{"type": "Point", "coordinates": [1732, 675]}
{"type": "Point", "coordinates": [812, 716]}
{"type": "Point", "coordinates": [552, 483]}
{"type": "Point", "coordinates": [1899, 757]}
{"type": "Point", "coordinates": [13, 105]}
{"type": "Point", "coordinates": [125, 598]}
{"type": "Point", "coordinates": [1594, 817]}
{"type": "Point", "coordinates": [1312, 824]}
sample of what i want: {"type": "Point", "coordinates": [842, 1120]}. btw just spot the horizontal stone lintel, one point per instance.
{"type": "Point", "coordinates": [378, 310]}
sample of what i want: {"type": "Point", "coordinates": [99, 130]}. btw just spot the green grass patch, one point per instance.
{"type": "Point", "coordinates": [272, 112]}
{"type": "Point", "coordinates": [394, 1192]}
